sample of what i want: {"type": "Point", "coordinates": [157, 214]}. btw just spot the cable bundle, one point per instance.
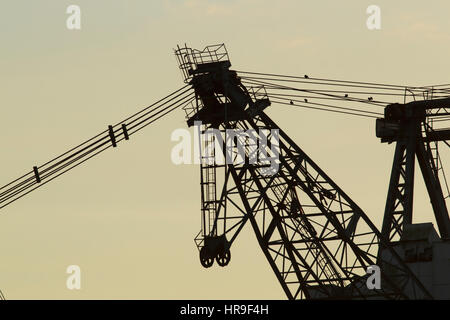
{"type": "Point", "coordinates": [317, 93]}
{"type": "Point", "coordinates": [74, 157]}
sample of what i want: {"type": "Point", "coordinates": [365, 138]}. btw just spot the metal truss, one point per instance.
{"type": "Point", "coordinates": [317, 240]}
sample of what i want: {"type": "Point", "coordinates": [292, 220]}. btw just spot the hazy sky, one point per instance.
{"type": "Point", "coordinates": [128, 217]}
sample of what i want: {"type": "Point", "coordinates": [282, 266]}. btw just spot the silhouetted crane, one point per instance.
{"type": "Point", "coordinates": [317, 240]}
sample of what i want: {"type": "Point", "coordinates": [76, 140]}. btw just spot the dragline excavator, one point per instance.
{"type": "Point", "coordinates": [319, 243]}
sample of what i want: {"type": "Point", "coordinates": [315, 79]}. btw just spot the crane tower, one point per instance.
{"type": "Point", "coordinates": [317, 240]}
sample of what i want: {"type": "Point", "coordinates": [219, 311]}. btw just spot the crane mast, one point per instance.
{"type": "Point", "coordinates": [317, 240]}
{"type": "Point", "coordinates": [319, 243]}
{"type": "Point", "coordinates": [406, 125]}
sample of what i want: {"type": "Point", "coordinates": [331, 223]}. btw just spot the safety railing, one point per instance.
{"type": "Point", "coordinates": [189, 59]}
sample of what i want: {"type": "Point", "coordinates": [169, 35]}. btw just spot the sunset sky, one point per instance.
{"type": "Point", "coordinates": [128, 217]}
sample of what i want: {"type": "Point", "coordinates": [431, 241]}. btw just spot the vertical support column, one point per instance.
{"type": "Point", "coordinates": [399, 203]}
{"type": "Point", "coordinates": [434, 190]}
{"type": "Point", "coordinates": [409, 181]}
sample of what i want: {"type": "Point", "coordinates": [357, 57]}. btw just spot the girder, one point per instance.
{"type": "Point", "coordinates": [403, 125]}
{"type": "Point", "coordinates": [317, 240]}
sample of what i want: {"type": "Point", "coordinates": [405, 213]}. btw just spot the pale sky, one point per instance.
{"type": "Point", "coordinates": [128, 217]}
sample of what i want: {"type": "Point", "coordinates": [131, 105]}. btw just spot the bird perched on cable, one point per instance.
{"type": "Point", "coordinates": [370, 98]}
{"type": "Point", "coordinates": [306, 76]}
{"type": "Point", "coordinates": [346, 95]}
{"type": "Point", "coordinates": [306, 100]}
{"type": "Point", "coordinates": [291, 102]}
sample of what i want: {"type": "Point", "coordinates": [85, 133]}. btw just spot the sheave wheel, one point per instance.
{"type": "Point", "coordinates": [223, 258]}
{"type": "Point", "coordinates": [205, 257]}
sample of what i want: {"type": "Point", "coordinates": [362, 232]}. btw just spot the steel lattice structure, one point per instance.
{"type": "Point", "coordinates": [406, 124]}
{"type": "Point", "coordinates": [318, 242]}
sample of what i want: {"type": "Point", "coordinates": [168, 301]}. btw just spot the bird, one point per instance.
{"type": "Point", "coordinates": [370, 98]}
{"type": "Point", "coordinates": [306, 76]}
{"type": "Point", "coordinates": [291, 102]}
{"type": "Point", "coordinates": [306, 100]}
{"type": "Point", "coordinates": [346, 95]}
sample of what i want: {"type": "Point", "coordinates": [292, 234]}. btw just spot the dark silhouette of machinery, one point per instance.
{"type": "Point", "coordinates": [317, 240]}
{"type": "Point", "coordinates": [403, 124]}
